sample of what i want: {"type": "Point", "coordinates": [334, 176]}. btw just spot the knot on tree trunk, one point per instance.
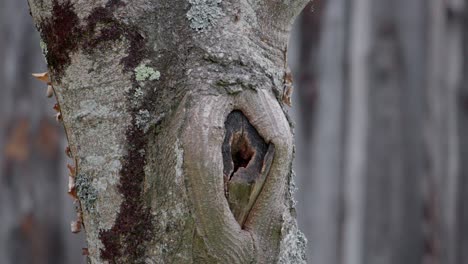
{"type": "Point", "coordinates": [247, 159]}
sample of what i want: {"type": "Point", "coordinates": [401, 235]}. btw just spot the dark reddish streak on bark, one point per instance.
{"type": "Point", "coordinates": [63, 35]}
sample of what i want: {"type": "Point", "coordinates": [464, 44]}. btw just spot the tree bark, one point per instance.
{"type": "Point", "coordinates": [144, 90]}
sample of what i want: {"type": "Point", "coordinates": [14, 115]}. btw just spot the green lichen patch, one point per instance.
{"type": "Point", "coordinates": [293, 242]}
{"type": "Point", "coordinates": [292, 189]}
{"type": "Point", "coordinates": [293, 246]}
{"type": "Point", "coordinates": [86, 192]}
{"type": "Point", "coordinates": [142, 119]}
{"type": "Point", "coordinates": [204, 13]}
{"type": "Point", "coordinates": [43, 47]}
{"type": "Point", "coordinates": [145, 73]}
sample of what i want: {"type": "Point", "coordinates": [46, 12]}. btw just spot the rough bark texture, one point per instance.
{"type": "Point", "coordinates": [145, 89]}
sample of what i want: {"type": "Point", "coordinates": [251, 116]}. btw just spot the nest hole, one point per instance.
{"type": "Point", "coordinates": [242, 152]}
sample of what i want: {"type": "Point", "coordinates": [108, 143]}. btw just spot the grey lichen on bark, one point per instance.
{"type": "Point", "coordinates": [145, 88]}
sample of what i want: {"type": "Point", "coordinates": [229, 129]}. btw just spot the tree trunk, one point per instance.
{"type": "Point", "coordinates": [176, 122]}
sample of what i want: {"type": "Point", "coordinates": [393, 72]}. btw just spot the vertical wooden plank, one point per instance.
{"type": "Point", "coordinates": [320, 90]}
{"type": "Point", "coordinates": [409, 19]}
{"type": "Point", "coordinates": [453, 78]}
{"type": "Point", "coordinates": [327, 138]}
{"type": "Point", "coordinates": [357, 125]}
{"type": "Point", "coordinates": [384, 142]}
{"type": "Point", "coordinates": [444, 77]}
{"type": "Point", "coordinates": [393, 206]}
{"type": "Point", "coordinates": [462, 109]}
{"type": "Point", "coordinates": [305, 74]}
{"type": "Point", "coordinates": [391, 168]}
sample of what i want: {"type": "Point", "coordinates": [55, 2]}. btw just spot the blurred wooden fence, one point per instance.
{"type": "Point", "coordinates": [382, 143]}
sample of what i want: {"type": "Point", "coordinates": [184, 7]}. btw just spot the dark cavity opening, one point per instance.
{"type": "Point", "coordinates": [246, 159]}
{"type": "Point", "coordinates": [243, 147]}
{"type": "Point", "coordinates": [242, 152]}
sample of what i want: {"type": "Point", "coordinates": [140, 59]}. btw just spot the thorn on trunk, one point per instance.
{"type": "Point", "coordinates": [50, 91]}
{"type": "Point", "coordinates": [58, 117]}
{"type": "Point", "coordinates": [75, 226]}
{"type": "Point", "coordinates": [57, 108]}
{"type": "Point", "coordinates": [68, 152]}
{"type": "Point", "coordinates": [43, 77]}
{"type": "Point", "coordinates": [72, 187]}
{"type": "Point", "coordinates": [71, 170]}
